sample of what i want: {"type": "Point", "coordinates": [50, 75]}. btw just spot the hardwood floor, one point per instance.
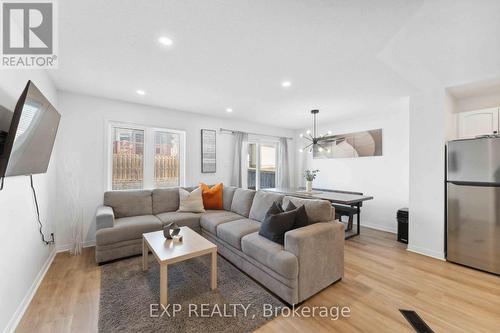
{"type": "Point", "coordinates": [68, 297]}
{"type": "Point", "coordinates": [381, 277]}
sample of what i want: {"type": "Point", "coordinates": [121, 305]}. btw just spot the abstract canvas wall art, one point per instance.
{"type": "Point", "coordinates": [357, 144]}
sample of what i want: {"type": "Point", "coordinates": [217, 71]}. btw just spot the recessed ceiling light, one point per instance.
{"type": "Point", "coordinates": [286, 84]}
{"type": "Point", "coordinates": [140, 92]}
{"type": "Point", "coordinates": [229, 110]}
{"type": "Point", "coordinates": [165, 41]}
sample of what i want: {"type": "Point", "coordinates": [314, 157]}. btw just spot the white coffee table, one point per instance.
{"type": "Point", "coordinates": [167, 252]}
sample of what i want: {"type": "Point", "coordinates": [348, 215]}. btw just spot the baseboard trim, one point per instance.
{"type": "Point", "coordinates": [67, 247]}
{"type": "Point", "coordinates": [23, 306]}
{"type": "Point", "coordinates": [426, 252]}
{"type": "Point", "coordinates": [380, 228]}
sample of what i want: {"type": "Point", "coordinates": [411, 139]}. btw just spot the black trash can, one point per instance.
{"type": "Point", "coordinates": [402, 217]}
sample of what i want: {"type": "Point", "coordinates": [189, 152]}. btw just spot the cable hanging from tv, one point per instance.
{"type": "Point", "coordinates": [40, 225]}
{"type": "Point", "coordinates": [51, 240]}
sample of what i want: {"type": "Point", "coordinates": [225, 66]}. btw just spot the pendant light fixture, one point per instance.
{"type": "Point", "coordinates": [313, 141]}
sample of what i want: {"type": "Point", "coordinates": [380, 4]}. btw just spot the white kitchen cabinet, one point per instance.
{"type": "Point", "coordinates": [478, 122]}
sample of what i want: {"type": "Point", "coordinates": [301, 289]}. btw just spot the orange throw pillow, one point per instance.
{"type": "Point", "coordinates": [212, 197]}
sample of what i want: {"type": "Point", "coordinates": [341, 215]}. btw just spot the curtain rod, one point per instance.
{"type": "Point", "coordinates": [258, 134]}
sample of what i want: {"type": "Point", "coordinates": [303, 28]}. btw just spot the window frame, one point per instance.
{"type": "Point", "coordinates": [259, 141]}
{"type": "Point", "coordinates": [149, 153]}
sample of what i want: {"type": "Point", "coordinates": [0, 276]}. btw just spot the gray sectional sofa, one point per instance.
{"type": "Point", "coordinates": [311, 259]}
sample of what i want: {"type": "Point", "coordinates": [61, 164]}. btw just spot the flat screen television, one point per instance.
{"type": "Point", "coordinates": [29, 142]}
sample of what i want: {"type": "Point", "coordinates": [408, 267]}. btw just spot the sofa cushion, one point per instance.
{"type": "Point", "coordinates": [261, 204]}
{"type": "Point", "coordinates": [242, 201]}
{"type": "Point", "coordinates": [191, 201]}
{"type": "Point", "coordinates": [212, 218]}
{"type": "Point", "coordinates": [270, 254]}
{"type": "Point", "coordinates": [227, 196]}
{"type": "Point", "coordinates": [129, 203]}
{"type": "Point", "coordinates": [232, 232]}
{"type": "Point", "coordinates": [317, 210]}
{"type": "Point", "coordinates": [183, 219]}
{"type": "Point", "coordinates": [212, 196]}
{"type": "Point", "coordinates": [165, 200]}
{"type": "Point", "coordinates": [128, 228]}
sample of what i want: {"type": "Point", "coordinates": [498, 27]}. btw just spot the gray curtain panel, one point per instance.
{"type": "Point", "coordinates": [283, 172]}
{"type": "Point", "coordinates": [241, 139]}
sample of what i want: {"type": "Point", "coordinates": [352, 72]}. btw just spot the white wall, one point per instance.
{"type": "Point", "coordinates": [25, 257]}
{"type": "Point", "coordinates": [451, 117]}
{"type": "Point", "coordinates": [428, 133]}
{"type": "Point", "coordinates": [82, 148]}
{"type": "Point", "coordinates": [383, 177]}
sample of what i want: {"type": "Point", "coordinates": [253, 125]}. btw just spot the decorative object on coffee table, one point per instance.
{"type": "Point", "coordinates": [208, 151]}
{"type": "Point", "coordinates": [171, 230]}
{"type": "Point", "coordinates": [310, 175]}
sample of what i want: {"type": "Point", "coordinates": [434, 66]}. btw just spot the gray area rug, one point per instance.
{"type": "Point", "coordinates": [127, 294]}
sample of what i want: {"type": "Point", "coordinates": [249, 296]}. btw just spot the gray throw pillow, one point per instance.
{"type": "Point", "coordinates": [275, 208]}
{"type": "Point", "coordinates": [301, 219]}
{"type": "Point", "coordinates": [277, 223]}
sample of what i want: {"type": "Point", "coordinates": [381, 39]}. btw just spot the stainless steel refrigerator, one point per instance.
{"type": "Point", "coordinates": [473, 203]}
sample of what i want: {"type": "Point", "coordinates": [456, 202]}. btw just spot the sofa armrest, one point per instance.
{"type": "Point", "coordinates": [319, 248]}
{"type": "Point", "coordinates": [104, 218]}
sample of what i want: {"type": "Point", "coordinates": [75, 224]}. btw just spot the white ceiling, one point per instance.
{"type": "Point", "coordinates": [346, 58]}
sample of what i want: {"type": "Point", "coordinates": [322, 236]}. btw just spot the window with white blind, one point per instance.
{"type": "Point", "coordinates": [141, 157]}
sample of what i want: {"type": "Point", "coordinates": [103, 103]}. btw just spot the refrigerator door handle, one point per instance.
{"type": "Point", "coordinates": [480, 184]}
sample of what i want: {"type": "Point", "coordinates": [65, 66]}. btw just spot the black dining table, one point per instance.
{"type": "Point", "coordinates": [334, 196]}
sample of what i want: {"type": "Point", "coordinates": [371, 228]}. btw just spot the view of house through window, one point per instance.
{"type": "Point", "coordinates": [261, 165]}
{"type": "Point", "coordinates": [145, 158]}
